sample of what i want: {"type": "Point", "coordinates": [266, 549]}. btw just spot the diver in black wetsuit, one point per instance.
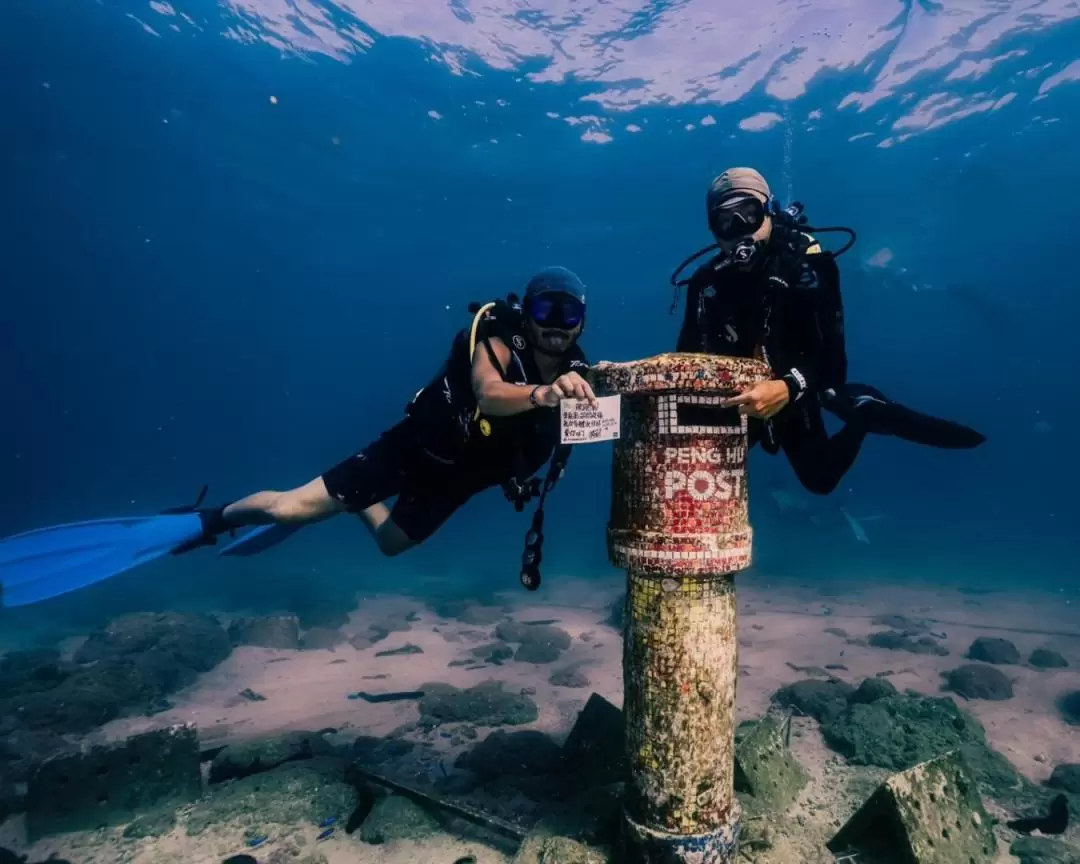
{"type": "Point", "coordinates": [484, 420]}
{"type": "Point", "coordinates": [771, 292]}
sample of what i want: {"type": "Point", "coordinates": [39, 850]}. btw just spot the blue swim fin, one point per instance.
{"type": "Point", "coordinates": [38, 565]}
{"type": "Point", "coordinates": [261, 539]}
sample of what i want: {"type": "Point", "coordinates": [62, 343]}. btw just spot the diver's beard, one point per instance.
{"type": "Point", "coordinates": [567, 342]}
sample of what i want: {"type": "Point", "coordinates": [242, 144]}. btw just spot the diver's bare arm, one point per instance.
{"type": "Point", "coordinates": [495, 397]}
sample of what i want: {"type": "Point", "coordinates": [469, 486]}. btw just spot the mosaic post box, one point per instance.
{"type": "Point", "coordinates": [679, 528]}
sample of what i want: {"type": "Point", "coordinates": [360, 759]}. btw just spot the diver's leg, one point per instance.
{"type": "Point", "coordinates": [389, 536]}
{"type": "Point", "coordinates": [867, 407]}
{"type": "Point", "coordinates": [372, 475]}
{"type": "Point", "coordinates": [305, 504]}
{"type": "Point", "coordinates": [308, 503]}
{"type": "Point", "coordinates": [420, 510]}
{"type": "Point", "coordinates": [818, 460]}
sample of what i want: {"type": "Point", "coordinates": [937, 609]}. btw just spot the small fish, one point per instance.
{"type": "Point", "coordinates": [1055, 822]}
{"type": "Point", "coordinates": [255, 842]}
{"type": "Point", "coordinates": [328, 821]}
{"type": "Point", "coordinates": [856, 528]}
{"type": "Point", "coordinates": [325, 835]}
{"type": "Point", "coordinates": [239, 859]}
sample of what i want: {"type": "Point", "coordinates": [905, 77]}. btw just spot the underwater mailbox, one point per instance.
{"type": "Point", "coordinates": [679, 527]}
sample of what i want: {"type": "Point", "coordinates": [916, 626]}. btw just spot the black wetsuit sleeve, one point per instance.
{"type": "Point", "coordinates": [815, 356]}
{"type": "Point", "coordinates": [690, 337]}
{"type": "Point", "coordinates": [833, 365]}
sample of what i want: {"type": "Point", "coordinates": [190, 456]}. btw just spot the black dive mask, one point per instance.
{"type": "Point", "coordinates": [736, 216]}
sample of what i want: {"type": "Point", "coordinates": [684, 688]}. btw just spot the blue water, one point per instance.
{"type": "Point", "coordinates": [236, 238]}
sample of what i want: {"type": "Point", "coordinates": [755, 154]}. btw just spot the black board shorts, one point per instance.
{"type": "Point", "coordinates": [428, 491]}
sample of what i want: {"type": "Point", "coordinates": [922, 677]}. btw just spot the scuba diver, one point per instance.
{"type": "Point", "coordinates": [771, 292]}
{"type": "Point", "coordinates": [484, 420]}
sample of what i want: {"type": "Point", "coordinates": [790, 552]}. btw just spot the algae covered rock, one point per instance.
{"type": "Point", "coordinates": [595, 749]}
{"type": "Point", "coordinates": [1043, 658]}
{"type": "Point", "coordinates": [1065, 777]}
{"type": "Point", "coordinates": [252, 757]}
{"type": "Point", "coordinates": [156, 824]}
{"type": "Point", "coordinates": [492, 652]}
{"type": "Point", "coordinates": [871, 690]}
{"type": "Point", "coordinates": [571, 677]}
{"type": "Point", "coordinates": [1044, 850]}
{"type": "Point", "coordinates": [585, 831]}
{"type": "Point", "coordinates": [7, 798]}
{"type": "Point", "coordinates": [195, 642]}
{"type": "Point", "coordinates": [975, 681]}
{"type": "Point", "coordinates": [512, 753]}
{"type": "Point", "coordinates": [537, 643]}
{"type": "Point", "coordinates": [929, 814]}
{"type": "Point", "coordinates": [822, 700]}
{"type": "Point", "coordinates": [1000, 652]}
{"type": "Point", "coordinates": [31, 671]}
{"type": "Point", "coordinates": [765, 767]}
{"type": "Point", "coordinates": [128, 666]}
{"type": "Point", "coordinates": [277, 631]}
{"type": "Point", "coordinates": [913, 643]}
{"type": "Point", "coordinates": [110, 784]}
{"type": "Point", "coordinates": [1069, 706]}
{"type": "Point", "coordinates": [898, 622]}
{"type": "Point", "coordinates": [21, 750]}
{"type": "Point", "coordinates": [898, 732]}
{"type": "Point", "coordinates": [397, 818]}
{"type": "Point", "coordinates": [486, 704]}
{"type": "Point", "coordinates": [321, 639]}
{"type": "Point", "coordinates": [471, 610]}
{"type": "Point", "coordinates": [310, 791]}
{"type": "Point", "coordinates": [565, 850]}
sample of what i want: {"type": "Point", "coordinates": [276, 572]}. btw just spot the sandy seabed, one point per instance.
{"type": "Point", "coordinates": [781, 628]}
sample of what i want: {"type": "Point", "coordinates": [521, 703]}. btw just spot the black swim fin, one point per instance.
{"type": "Point", "coordinates": [862, 405]}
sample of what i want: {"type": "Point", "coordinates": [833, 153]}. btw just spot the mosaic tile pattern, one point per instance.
{"type": "Point", "coordinates": [679, 498]}
{"type": "Point", "coordinates": [679, 527]}
{"type": "Point", "coordinates": [679, 679]}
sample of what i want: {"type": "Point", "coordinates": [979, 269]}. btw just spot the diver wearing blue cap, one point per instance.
{"type": "Point", "coordinates": [485, 419]}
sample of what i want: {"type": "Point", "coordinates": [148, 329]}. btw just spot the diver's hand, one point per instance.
{"type": "Point", "coordinates": [762, 401]}
{"type": "Point", "coordinates": [568, 386]}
